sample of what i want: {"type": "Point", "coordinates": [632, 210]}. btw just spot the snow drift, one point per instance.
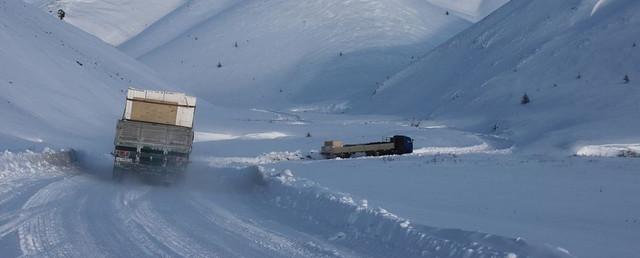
{"type": "Point", "coordinates": [380, 233]}
{"type": "Point", "coordinates": [32, 164]}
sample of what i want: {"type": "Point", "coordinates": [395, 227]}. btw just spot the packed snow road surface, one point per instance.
{"type": "Point", "coordinates": [69, 214]}
{"type": "Point", "coordinates": [58, 211]}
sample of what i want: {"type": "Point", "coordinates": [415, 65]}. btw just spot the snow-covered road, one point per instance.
{"type": "Point", "coordinates": [81, 215]}
{"type": "Point", "coordinates": [61, 211]}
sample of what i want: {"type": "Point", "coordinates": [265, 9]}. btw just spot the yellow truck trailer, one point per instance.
{"type": "Point", "coordinates": [398, 144]}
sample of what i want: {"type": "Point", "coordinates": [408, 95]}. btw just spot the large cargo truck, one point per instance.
{"type": "Point", "coordinates": [155, 135]}
{"type": "Point", "coordinates": [396, 145]}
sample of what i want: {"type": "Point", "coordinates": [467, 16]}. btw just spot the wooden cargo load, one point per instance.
{"type": "Point", "coordinates": [162, 107]}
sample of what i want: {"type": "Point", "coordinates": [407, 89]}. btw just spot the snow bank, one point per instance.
{"type": "Point", "coordinates": [241, 162]}
{"type": "Point", "coordinates": [208, 136]}
{"type": "Point", "coordinates": [480, 148]}
{"type": "Point", "coordinates": [610, 150]}
{"type": "Point", "coordinates": [351, 222]}
{"type": "Point", "coordinates": [29, 164]}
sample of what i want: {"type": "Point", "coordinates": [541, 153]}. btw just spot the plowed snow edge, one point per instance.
{"type": "Point", "coordinates": [375, 231]}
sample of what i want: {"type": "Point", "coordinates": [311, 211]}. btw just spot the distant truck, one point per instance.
{"type": "Point", "coordinates": [155, 135]}
{"type": "Point", "coordinates": [396, 145]}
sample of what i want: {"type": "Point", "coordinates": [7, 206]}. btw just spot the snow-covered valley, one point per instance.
{"type": "Point", "coordinates": [465, 195]}
{"type": "Point", "coordinates": [490, 176]}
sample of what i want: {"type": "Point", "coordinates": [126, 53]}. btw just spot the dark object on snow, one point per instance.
{"type": "Point", "coordinates": [626, 78]}
{"type": "Point", "coordinates": [78, 62]}
{"type": "Point", "coordinates": [396, 145]}
{"type": "Point", "coordinates": [447, 12]}
{"type": "Point", "coordinates": [579, 76]}
{"type": "Point", "coordinates": [628, 154]}
{"type": "Point", "coordinates": [219, 65]}
{"type": "Point", "coordinates": [236, 44]}
{"type": "Point", "coordinates": [341, 54]}
{"type": "Point", "coordinates": [525, 99]}
{"type": "Point", "coordinates": [61, 14]}
{"type": "Point", "coordinates": [308, 135]}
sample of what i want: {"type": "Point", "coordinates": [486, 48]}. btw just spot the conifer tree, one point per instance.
{"type": "Point", "coordinates": [525, 99]}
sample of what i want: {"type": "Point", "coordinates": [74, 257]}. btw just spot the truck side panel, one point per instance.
{"type": "Point", "coordinates": [397, 144]}
{"type": "Point", "coordinates": [365, 148]}
{"type": "Point", "coordinates": [154, 136]}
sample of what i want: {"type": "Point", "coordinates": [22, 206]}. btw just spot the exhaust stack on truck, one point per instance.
{"type": "Point", "coordinates": [155, 134]}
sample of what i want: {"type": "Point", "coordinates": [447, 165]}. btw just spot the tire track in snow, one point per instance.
{"type": "Point", "coordinates": [257, 237]}
{"type": "Point", "coordinates": [15, 195]}
{"type": "Point", "coordinates": [166, 233]}
{"type": "Point", "coordinates": [125, 229]}
{"type": "Point", "coordinates": [48, 233]}
{"type": "Point", "coordinates": [55, 191]}
{"type": "Point", "coordinates": [39, 236]}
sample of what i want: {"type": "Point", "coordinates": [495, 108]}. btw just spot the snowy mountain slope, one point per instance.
{"type": "Point", "coordinates": [290, 50]}
{"type": "Point", "coordinates": [194, 12]}
{"type": "Point", "coordinates": [117, 21]}
{"type": "Point", "coordinates": [569, 57]}
{"type": "Point", "coordinates": [175, 24]}
{"type": "Point", "coordinates": [306, 69]}
{"type": "Point", "coordinates": [472, 10]}
{"type": "Point", "coordinates": [60, 86]}
{"type": "Point", "coordinates": [113, 21]}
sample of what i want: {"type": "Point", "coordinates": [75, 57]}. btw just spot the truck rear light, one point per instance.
{"type": "Point", "coordinates": [122, 153]}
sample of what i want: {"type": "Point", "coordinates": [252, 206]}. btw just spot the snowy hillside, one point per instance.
{"type": "Point", "coordinates": [287, 51]}
{"type": "Point", "coordinates": [117, 21]}
{"type": "Point", "coordinates": [113, 21]}
{"type": "Point", "coordinates": [576, 60]}
{"type": "Point", "coordinates": [60, 86]}
{"type": "Point", "coordinates": [472, 10]}
{"type": "Point", "coordinates": [290, 51]}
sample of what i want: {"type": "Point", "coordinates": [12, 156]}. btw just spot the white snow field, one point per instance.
{"type": "Point", "coordinates": [570, 58]}
{"type": "Point", "coordinates": [114, 21]}
{"type": "Point", "coordinates": [472, 10]}
{"type": "Point", "coordinates": [489, 177]}
{"type": "Point", "coordinates": [117, 21]}
{"type": "Point", "coordinates": [455, 180]}
{"type": "Point", "coordinates": [60, 86]}
{"type": "Point", "coordinates": [288, 50]}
